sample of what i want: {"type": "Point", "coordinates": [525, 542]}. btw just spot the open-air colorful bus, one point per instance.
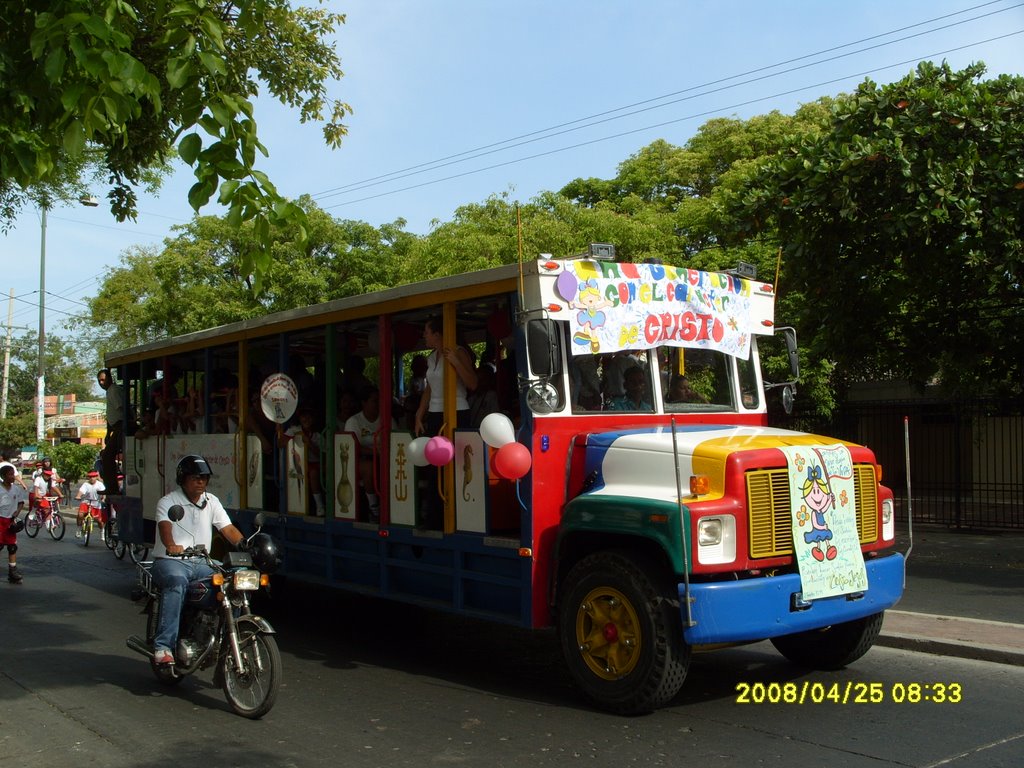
{"type": "Point", "coordinates": [618, 480]}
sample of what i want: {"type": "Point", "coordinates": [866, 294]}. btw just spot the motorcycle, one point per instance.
{"type": "Point", "coordinates": [218, 628]}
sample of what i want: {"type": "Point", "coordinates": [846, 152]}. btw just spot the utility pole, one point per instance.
{"type": "Point", "coordinates": [7, 356]}
{"type": "Point", "coordinates": [41, 374]}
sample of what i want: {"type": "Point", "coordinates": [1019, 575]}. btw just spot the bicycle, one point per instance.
{"type": "Point", "coordinates": [87, 526]}
{"type": "Point", "coordinates": [47, 517]}
{"type": "Point", "coordinates": [137, 552]}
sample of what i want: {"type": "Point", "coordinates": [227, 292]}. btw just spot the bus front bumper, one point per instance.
{"type": "Point", "coordinates": [757, 609]}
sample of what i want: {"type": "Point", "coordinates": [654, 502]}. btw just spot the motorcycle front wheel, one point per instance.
{"type": "Point", "coordinates": [252, 691]}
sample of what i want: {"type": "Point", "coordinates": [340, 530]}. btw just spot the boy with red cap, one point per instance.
{"type": "Point", "coordinates": [91, 504]}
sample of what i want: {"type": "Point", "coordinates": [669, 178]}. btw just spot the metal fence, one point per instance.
{"type": "Point", "coordinates": [966, 456]}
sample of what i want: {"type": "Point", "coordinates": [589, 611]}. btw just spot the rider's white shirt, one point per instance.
{"type": "Point", "coordinates": [196, 527]}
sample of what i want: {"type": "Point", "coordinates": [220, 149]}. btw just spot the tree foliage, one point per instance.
{"type": "Point", "coordinates": [73, 460]}
{"type": "Point", "coordinates": [903, 229]}
{"type": "Point", "coordinates": [136, 81]}
{"type": "Point", "coordinates": [198, 280]}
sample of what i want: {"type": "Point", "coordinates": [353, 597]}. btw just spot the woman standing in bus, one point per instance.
{"type": "Point", "coordinates": [430, 414]}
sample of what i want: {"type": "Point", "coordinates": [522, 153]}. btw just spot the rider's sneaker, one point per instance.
{"type": "Point", "coordinates": [103, 534]}
{"type": "Point", "coordinates": [163, 657]}
{"type": "Point", "coordinates": [78, 533]}
{"type": "Point", "coordinates": [14, 575]}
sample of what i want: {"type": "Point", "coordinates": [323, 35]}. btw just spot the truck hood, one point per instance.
{"type": "Point", "coordinates": [640, 462]}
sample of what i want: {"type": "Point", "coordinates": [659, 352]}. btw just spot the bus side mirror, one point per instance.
{"type": "Point", "coordinates": [542, 348]}
{"type": "Point", "coordinates": [789, 334]}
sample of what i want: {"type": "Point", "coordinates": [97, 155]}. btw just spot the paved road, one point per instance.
{"type": "Point", "coordinates": [371, 684]}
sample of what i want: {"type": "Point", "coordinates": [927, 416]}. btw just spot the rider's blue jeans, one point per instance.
{"type": "Point", "coordinates": [172, 575]}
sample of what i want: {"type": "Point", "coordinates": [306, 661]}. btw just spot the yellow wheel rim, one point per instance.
{"type": "Point", "coordinates": [608, 633]}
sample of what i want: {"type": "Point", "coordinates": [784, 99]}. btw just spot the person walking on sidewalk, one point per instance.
{"type": "Point", "coordinates": [12, 502]}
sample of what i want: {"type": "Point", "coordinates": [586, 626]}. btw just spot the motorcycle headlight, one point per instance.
{"type": "Point", "coordinates": [246, 580]}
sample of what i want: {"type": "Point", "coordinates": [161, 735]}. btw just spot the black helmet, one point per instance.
{"type": "Point", "coordinates": [264, 552]}
{"type": "Point", "coordinates": [193, 464]}
{"type": "Point", "coordinates": [16, 526]}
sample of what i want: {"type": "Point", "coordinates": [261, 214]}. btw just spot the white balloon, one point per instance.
{"type": "Point", "coordinates": [497, 430]}
{"type": "Point", "coordinates": [415, 451]}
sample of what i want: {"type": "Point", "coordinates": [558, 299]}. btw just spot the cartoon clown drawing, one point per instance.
{"type": "Point", "coordinates": [590, 316]}
{"type": "Point", "coordinates": [818, 497]}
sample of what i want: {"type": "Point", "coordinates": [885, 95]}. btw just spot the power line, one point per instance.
{"type": "Point", "coordinates": [667, 122]}
{"type": "Point", "coordinates": [606, 116]}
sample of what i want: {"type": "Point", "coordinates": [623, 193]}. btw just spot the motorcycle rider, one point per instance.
{"type": "Point", "coordinates": [203, 512]}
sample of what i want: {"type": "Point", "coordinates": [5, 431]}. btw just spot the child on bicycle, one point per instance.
{"type": "Point", "coordinates": [45, 489]}
{"type": "Point", "coordinates": [91, 504]}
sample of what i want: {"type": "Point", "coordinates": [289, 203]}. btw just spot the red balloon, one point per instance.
{"type": "Point", "coordinates": [512, 461]}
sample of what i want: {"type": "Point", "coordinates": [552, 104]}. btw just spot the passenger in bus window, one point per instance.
{"type": "Point", "coordinates": [680, 391]}
{"type": "Point", "coordinates": [306, 436]}
{"type": "Point", "coordinates": [430, 414]}
{"type": "Point", "coordinates": [484, 399]}
{"type": "Point", "coordinates": [348, 404]}
{"type": "Point", "coordinates": [364, 424]}
{"type": "Point", "coordinates": [414, 391]}
{"type": "Point", "coordinates": [355, 376]}
{"type": "Point", "coordinates": [635, 397]}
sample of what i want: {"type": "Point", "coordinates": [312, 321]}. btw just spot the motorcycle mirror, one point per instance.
{"type": "Point", "coordinates": [259, 520]}
{"type": "Point", "coordinates": [176, 512]}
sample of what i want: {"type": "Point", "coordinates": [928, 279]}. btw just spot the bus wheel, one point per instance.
{"type": "Point", "coordinates": [832, 647]}
{"type": "Point", "coordinates": [621, 634]}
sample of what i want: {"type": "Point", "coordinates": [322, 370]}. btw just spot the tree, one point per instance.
{"type": "Point", "coordinates": [134, 81]}
{"type": "Point", "coordinates": [198, 279]}
{"type": "Point", "coordinates": [903, 226]}
{"type": "Point", "coordinates": [74, 460]}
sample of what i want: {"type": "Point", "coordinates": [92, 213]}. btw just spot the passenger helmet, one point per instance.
{"type": "Point", "coordinates": [264, 552]}
{"type": "Point", "coordinates": [193, 464]}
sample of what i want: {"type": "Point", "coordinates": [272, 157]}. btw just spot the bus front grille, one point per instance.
{"type": "Point", "coordinates": [768, 505]}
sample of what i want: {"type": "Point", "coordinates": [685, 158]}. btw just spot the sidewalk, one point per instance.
{"type": "Point", "coordinates": [961, 573]}
{"type": "Point", "coordinates": [979, 639]}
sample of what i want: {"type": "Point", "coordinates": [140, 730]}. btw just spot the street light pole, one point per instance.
{"type": "Point", "coordinates": [41, 370]}
{"type": "Point", "coordinates": [90, 202]}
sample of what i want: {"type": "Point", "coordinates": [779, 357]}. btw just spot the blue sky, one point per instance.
{"type": "Point", "coordinates": [520, 98]}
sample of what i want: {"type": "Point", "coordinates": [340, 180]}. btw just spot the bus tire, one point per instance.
{"type": "Point", "coordinates": [833, 647]}
{"type": "Point", "coordinates": [621, 634]}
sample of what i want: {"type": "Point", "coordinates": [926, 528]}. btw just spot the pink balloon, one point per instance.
{"type": "Point", "coordinates": [565, 286]}
{"type": "Point", "coordinates": [512, 461]}
{"type": "Point", "coordinates": [439, 451]}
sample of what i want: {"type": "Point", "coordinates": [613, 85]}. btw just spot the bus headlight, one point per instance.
{"type": "Point", "coordinates": [716, 539]}
{"type": "Point", "coordinates": [888, 520]}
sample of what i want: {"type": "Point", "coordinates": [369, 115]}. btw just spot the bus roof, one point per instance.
{"type": "Point", "coordinates": [545, 286]}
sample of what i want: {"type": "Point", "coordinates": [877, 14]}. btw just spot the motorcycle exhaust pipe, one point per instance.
{"type": "Point", "coordinates": [138, 645]}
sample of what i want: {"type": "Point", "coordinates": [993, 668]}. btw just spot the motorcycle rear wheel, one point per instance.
{"type": "Point", "coordinates": [252, 693]}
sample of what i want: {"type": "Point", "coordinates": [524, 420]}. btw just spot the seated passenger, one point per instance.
{"type": "Point", "coordinates": [364, 425]}
{"type": "Point", "coordinates": [635, 397]}
{"type": "Point", "coordinates": [680, 391]}
{"type": "Point", "coordinates": [305, 435]}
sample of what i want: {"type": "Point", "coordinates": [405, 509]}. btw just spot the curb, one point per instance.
{"type": "Point", "coordinates": [978, 639]}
